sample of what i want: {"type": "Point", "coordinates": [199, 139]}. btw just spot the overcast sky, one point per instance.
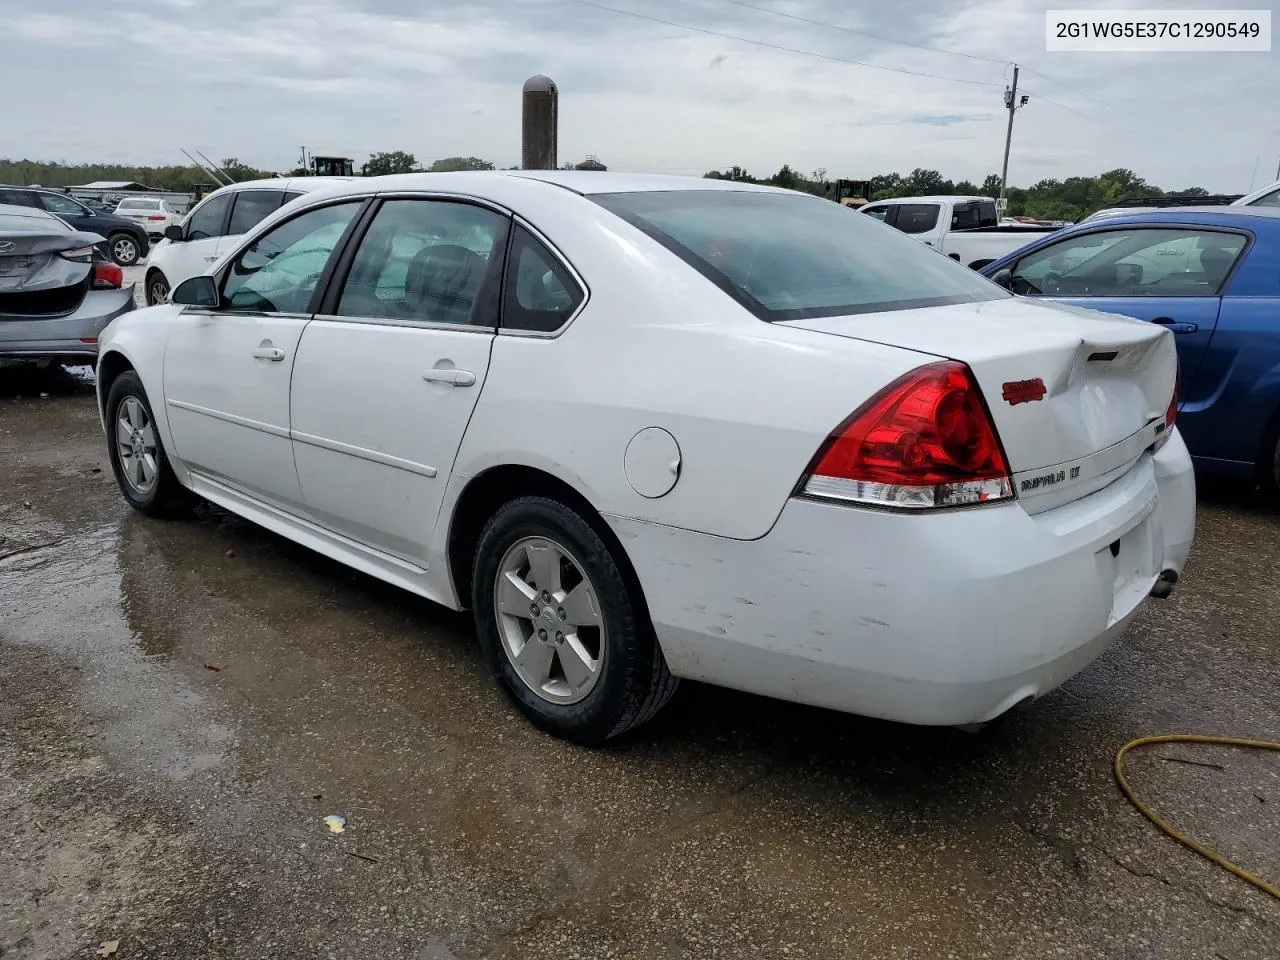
{"type": "Point", "coordinates": [134, 80]}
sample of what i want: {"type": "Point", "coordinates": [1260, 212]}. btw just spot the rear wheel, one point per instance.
{"type": "Point", "coordinates": [157, 288]}
{"type": "Point", "coordinates": [561, 627]}
{"type": "Point", "coordinates": [138, 459]}
{"type": "Point", "coordinates": [124, 249]}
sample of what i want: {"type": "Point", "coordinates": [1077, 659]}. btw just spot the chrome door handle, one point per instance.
{"type": "Point", "coordinates": [210, 259]}
{"type": "Point", "coordinates": [269, 353]}
{"type": "Point", "coordinates": [456, 378]}
{"type": "Point", "coordinates": [1177, 326]}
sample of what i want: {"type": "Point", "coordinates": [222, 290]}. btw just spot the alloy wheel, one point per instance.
{"type": "Point", "coordinates": [136, 445]}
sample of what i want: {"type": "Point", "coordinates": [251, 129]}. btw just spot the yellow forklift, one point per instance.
{"type": "Point", "coordinates": [853, 193]}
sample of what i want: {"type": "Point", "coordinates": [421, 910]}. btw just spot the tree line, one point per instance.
{"type": "Point", "coordinates": [1069, 199]}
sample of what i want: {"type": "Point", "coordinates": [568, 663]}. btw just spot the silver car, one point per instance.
{"type": "Point", "coordinates": [57, 289]}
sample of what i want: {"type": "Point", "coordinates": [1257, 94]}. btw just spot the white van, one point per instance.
{"type": "Point", "coordinates": [215, 224]}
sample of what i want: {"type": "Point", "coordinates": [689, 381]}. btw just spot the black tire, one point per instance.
{"type": "Point", "coordinates": [634, 682]}
{"type": "Point", "coordinates": [165, 496]}
{"type": "Point", "coordinates": [157, 288]}
{"type": "Point", "coordinates": [124, 248]}
{"type": "Point", "coordinates": [1268, 466]}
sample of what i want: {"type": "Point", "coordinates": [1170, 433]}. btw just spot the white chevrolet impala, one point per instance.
{"type": "Point", "coordinates": [650, 428]}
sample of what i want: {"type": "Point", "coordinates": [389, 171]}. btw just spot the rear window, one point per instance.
{"type": "Point", "coordinates": [788, 256]}
{"type": "Point", "coordinates": [139, 205]}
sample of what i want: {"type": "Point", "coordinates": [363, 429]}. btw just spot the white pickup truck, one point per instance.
{"type": "Point", "coordinates": [964, 228]}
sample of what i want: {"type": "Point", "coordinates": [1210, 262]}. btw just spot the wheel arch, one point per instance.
{"type": "Point", "coordinates": [111, 365]}
{"type": "Point", "coordinates": [485, 493]}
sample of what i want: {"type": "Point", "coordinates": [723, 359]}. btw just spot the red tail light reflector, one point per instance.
{"type": "Point", "coordinates": [1171, 414]}
{"type": "Point", "coordinates": [156, 216]}
{"type": "Point", "coordinates": [107, 276]}
{"type": "Point", "coordinates": [924, 441]}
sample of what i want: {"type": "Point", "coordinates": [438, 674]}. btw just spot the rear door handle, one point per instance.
{"type": "Point", "coordinates": [1177, 326]}
{"type": "Point", "coordinates": [456, 378]}
{"type": "Point", "coordinates": [269, 353]}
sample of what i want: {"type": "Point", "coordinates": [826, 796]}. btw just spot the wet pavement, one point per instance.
{"type": "Point", "coordinates": [149, 799]}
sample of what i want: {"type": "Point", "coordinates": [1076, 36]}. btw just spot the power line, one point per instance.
{"type": "Point", "coordinates": [781, 47]}
{"type": "Point", "coordinates": [1064, 86]}
{"type": "Point", "coordinates": [863, 33]}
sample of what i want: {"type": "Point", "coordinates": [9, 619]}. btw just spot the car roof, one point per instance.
{"type": "Point", "coordinates": [511, 183]}
{"type": "Point", "coordinates": [283, 183]}
{"type": "Point", "coordinates": [934, 198]}
{"type": "Point", "coordinates": [1220, 216]}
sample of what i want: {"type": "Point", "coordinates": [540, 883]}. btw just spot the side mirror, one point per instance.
{"type": "Point", "coordinates": [173, 233]}
{"type": "Point", "coordinates": [197, 292]}
{"type": "Point", "coordinates": [1003, 278]}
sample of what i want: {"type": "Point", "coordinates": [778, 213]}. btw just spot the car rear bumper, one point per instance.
{"type": "Point", "coordinates": [75, 335]}
{"type": "Point", "coordinates": [943, 619]}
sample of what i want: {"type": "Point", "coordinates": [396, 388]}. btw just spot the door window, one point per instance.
{"type": "Point", "coordinates": [64, 205]}
{"type": "Point", "coordinates": [540, 294]}
{"type": "Point", "coordinates": [251, 208]}
{"type": "Point", "coordinates": [917, 217]}
{"type": "Point", "coordinates": [426, 260]}
{"type": "Point", "coordinates": [1271, 199]}
{"type": "Point", "coordinates": [206, 220]}
{"type": "Point", "coordinates": [1131, 263]}
{"type": "Point", "coordinates": [279, 272]}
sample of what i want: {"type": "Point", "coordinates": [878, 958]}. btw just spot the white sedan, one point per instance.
{"type": "Point", "coordinates": [651, 427]}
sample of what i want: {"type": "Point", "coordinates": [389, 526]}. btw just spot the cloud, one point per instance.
{"type": "Point", "coordinates": [263, 77]}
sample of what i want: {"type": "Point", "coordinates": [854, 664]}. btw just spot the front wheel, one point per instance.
{"type": "Point", "coordinates": [124, 249]}
{"type": "Point", "coordinates": [137, 454]}
{"type": "Point", "coordinates": [157, 288]}
{"type": "Point", "coordinates": [561, 627]}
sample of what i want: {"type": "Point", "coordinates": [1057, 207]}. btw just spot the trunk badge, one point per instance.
{"type": "Point", "coordinates": [6, 246]}
{"type": "Point", "coordinates": [1023, 391]}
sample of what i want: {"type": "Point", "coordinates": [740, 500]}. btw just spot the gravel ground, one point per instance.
{"type": "Point", "coordinates": [178, 809]}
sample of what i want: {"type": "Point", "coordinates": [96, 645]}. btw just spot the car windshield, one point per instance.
{"type": "Point", "coordinates": [21, 223]}
{"type": "Point", "coordinates": [790, 256]}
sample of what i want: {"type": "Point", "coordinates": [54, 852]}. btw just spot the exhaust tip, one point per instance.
{"type": "Point", "coordinates": [1164, 584]}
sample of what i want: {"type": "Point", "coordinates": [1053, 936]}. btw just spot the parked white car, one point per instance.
{"type": "Point", "coordinates": [1268, 196]}
{"type": "Point", "coordinates": [966, 229]}
{"type": "Point", "coordinates": [215, 225]}
{"type": "Point", "coordinates": [656, 427]}
{"type": "Point", "coordinates": [152, 214]}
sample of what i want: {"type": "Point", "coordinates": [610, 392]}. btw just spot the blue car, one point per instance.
{"type": "Point", "coordinates": [1209, 274]}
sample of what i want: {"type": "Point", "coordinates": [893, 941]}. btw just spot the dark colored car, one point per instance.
{"type": "Point", "coordinates": [127, 242]}
{"type": "Point", "coordinates": [1211, 276]}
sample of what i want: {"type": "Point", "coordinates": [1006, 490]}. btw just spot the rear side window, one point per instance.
{"type": "Point", "coordinates": [251, 208]}
{"type": "Point", "coordinates": [290, 196]}
{"type": "Point", "coordinates": [917, 217]}
{"type": "Point", "coordinates": [206, 220]}
{"type": "Point", "coordinates": [1271, 199]}
{"type": "Point", "coordinates": [787, 256]}
{"type": "Point", "coordinates": [539, 294]}
{"type": "Point", "coordinates": [17, 198]}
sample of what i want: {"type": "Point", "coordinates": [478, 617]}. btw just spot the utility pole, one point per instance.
{"type": "Point", "coordinates": [1012, 103]}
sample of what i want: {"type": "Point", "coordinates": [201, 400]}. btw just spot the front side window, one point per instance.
{"type": "Point", "coordinates": [1173, 262]}
{"type": "Point", "coordinates": [279, 272]}
{"type": "Point", "coordinates": [879, 213]}
{"type": "Point", "coordinates": [540, 294]}
{"type": "Point", "coordinates": [251, 208]}
{"type": "Point", "coordinates": [206, 220]}
{"type": "Point", "coordinates": [917, 217]}
{"type": "Point", "coordinates": [788, 257]}
{"type": "Point", "coordinates": [426, 260]}
{"type": "Point", "coordinates": [56, 204]}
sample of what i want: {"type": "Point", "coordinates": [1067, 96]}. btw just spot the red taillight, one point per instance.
{"type": "Point", "coordinates": [156, 216]}
{"type": "Point", "coordinates": [926, 440]}
{"type": "Point", "coordinates": [1171, 414]}
{"type": "Point", "coordinates": [107, 276]}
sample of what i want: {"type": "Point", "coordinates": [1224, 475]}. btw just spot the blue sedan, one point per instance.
{"type": "Point", "coordinates": [1209, 274]}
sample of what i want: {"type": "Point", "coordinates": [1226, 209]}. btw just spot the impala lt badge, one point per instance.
{"type": "Point", "coordinates": [1023, 391]}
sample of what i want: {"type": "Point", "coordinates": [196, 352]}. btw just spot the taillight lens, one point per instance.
{"type": "Point", "coordinates": [924, 441]}
{"type": "Point", "coordinates": [156, 216]}
{"type": "Point", "coordinates": [107, 276]}
{"type": "Point", "coordinates": [1170, 415]}
{"type": "Point", "coordinates": [78, 255]}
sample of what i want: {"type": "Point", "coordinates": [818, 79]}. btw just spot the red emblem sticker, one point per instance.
{"type": "Point", "coordinates": [1023, 391]}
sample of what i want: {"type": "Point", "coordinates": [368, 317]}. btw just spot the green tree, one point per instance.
{"type": "Point", "coordinates": [990, 186]}
{"type": "Point", "coordinates": [394, 161]}
{"type": "Point", "coordinates": [239, 172]}
{"type": "Point", "coordinates": [451, 164]}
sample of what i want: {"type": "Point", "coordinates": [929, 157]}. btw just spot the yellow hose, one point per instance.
{"type": "Point", "coordinates": [1211, 855]}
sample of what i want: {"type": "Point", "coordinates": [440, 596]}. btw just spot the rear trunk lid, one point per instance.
{"type": "Point", "coordinates": [1076, 396]}
{"type": "Point", "coordinates": [36, 279]}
